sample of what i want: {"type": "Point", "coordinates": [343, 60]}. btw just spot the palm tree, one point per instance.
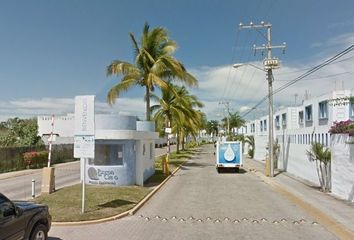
{"type": "Point", "coordinates": [235, 121]}
{"type": "Point", "coordinates": [176, 109]}
{"type": "Point", "coordinates": [322, 157]}
{"type": "Point", "coordinates": [153, 66]}
{"type": "Point", "coordinates": [212, 127]}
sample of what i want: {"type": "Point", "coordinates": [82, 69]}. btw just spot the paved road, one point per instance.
{"type": "Point", "coordinates": [18, 185]}
{"type": "Point", "coordinates": [198, 203]}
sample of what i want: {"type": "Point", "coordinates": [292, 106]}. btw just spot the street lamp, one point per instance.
{"type": "Point", "coordinates": [268, 69]}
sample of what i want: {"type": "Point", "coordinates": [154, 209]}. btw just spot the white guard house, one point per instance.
{"type": "Point", "coordinates": [124, 148]}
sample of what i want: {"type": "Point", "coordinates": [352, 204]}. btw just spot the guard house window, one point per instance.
{"type": "Point", "coordinates": [261, 125]}
{"type": "Point", "coordinates": [301, 117]}
{"type": "Point", "coordinates": [323, 110]}
{"type": "Point", "coordinates": [283, 120]}
{"type": "Point", "coordinates": [277, 122]}
{"type": "Point", "coordinates": [265, 125]}
{"type": "Point", "coordinates": [108, 155]}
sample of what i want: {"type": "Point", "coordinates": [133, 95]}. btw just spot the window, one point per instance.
{"type": "Point", "coordinates": [6, 208]}
{"type": "Point", "coordinates": [265, 125]}
{"type": "Point", "coordinates": [308, 113]}
{"type": "Point", "coordinates": [261, 125]}
{"type": "Point", "coordinates": [301, 117]}
{"type": "Point", "coordinates": [283, 120]}
{"type": "Point", "coordinates": [108, 155]}
{"type": "Point", "coordinates": [351, 110]}
{"type": "Point", "coordinates": [323, 110]}
{"type": "Point", "coordinates": [277, 122]}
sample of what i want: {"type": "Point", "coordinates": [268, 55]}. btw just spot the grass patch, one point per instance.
{"type": "Point", "coordinates": [103, 201]}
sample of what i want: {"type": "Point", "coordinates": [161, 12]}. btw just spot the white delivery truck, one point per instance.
{"type": "Point", "coordinates": [228, 155]}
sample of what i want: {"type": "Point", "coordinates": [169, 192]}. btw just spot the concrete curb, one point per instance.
{"type": "Point", "coordinates": [124, 214]}
{"type": "Point", "coordinates": [324, 219]}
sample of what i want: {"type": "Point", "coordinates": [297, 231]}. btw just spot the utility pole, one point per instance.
{"type": "Point", "coordinates": [269, 64]}
{"type": "Point", "coordinates": [227, 105]}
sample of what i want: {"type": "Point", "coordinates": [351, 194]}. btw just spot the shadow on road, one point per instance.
{"type": "Point", "coordinates": [196, 164]}
{"type": "Point", "coordinates": [232, 170]}
{"type": "Point", "coordinates": [54, 238]}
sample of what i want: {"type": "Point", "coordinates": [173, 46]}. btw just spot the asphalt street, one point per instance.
{"type": "Point", "coordinates": [18, 185]}
{"type": "Point", "coordinates": [199, 203]}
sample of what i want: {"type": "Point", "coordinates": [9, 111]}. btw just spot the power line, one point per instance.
{"type": "Point", "coordinates": [312, 70]}
{"type": "Point", "coordinates": [320, 77]}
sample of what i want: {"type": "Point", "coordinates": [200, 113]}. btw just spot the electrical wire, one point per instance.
{"type": "Point", "coordinates": [311, 71]}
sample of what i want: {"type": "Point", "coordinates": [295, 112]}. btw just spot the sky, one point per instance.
{"type": "Point", "coordinates": [52, 51]}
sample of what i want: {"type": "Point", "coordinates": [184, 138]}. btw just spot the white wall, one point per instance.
{"type": "Point", "coordinates": [63, 125]}
{"type": "Point", "coordinates": [343, 166]}
{"type": "Point", "coordinates": [260, 143]}
{"type": "Point", "coordinates": [145, 160]}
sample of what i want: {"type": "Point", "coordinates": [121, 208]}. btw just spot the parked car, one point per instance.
{"type": "Point", "coordinates": [23, 220]}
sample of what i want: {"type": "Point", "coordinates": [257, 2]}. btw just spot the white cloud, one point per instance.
{"type": "Point", "coordinates": [246, 86]}
{"type": "Point", "coordinates": [27, 108]}
{"type": "Point", "coordinates": [243, 87]}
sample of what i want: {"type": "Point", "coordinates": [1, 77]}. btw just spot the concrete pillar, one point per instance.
{"type": "Point", "coordinates": [48, 180]}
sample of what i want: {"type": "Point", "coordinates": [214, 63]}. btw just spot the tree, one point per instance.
{"type": "Point", "coordinates": [212, 127]}
{"type": "Point", "coordinates": [175, 109]}
{"type": "Point", "coordinates": [153, 66]}
{"type": "Point", "coordinates": [322, 157]}
{"type": "Point", "coordinates": [235, 121]}
{"type": "Point", "coordinates": [20, 132]}
{"type": "Point", "coordinates": [251, 145]}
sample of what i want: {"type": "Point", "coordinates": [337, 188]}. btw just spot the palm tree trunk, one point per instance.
{"type": "Point", "coordinates": [177, 140]}
{"type": "Point", "coordinates": [147, 98]}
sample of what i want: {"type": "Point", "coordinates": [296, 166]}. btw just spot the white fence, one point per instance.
{"type": "Point", "coordinates": [293, 158]}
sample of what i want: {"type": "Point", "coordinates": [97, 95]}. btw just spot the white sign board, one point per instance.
{"type": "Point", "coordinates": [84, 146]}
{"type": "Point", "coordinates": [84, 140]}
{"type": "Point", "coordinates": [85, 115]}
{"type": "Point", "coordinates": [168, 130]}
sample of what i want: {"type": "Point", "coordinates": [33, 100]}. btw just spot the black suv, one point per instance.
{"type": "Point", "coordinates": [23, 220]}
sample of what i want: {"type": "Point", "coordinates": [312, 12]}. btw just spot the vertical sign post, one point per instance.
{"type": "Point", "coordinates": [50, 141]}
{"type": "Point", "coordinates": [84, 140]}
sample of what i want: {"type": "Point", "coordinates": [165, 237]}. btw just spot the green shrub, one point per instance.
{"type": "Point", "coordinates": [191, 144]}
{"type": "Point", "coordinates": [251, 152]}
{"type": "Point", "coordinates": [35, 159]}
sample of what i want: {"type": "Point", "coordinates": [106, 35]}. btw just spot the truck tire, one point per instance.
{"type": "Point", "coordinates": [39, 232]}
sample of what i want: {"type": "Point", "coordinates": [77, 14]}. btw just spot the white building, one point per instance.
{"type": "Point", "coordinates": [295, 128]}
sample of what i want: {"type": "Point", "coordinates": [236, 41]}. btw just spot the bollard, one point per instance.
{"type": "Point", "coordinates": [33, 188]}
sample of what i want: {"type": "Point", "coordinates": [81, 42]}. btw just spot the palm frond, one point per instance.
{"type": "Point", "coordinates": [120, 67]}
{"type": "Point", "coordinates": [117, 89]}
